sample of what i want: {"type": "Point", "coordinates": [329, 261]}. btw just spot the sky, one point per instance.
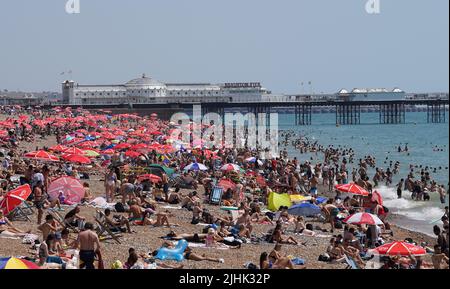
{"type": "Point", "coordinates": [280, 43]}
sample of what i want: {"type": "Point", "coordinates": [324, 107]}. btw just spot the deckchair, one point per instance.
{"type": "Point", "coordinates": [216, 196]}
{"type": "Point", "coordinates": [104, 232]}
{"type": "Point", "coordinates": [351, 264]}
{"type": "Point", "coordinates": [21, 213]}
{"type": "Point", "coordinates": [14, 203]}
{"type": "Point", "coordinates": [234, 215]}
{"type": "Point", "coordinates": [60, 220]}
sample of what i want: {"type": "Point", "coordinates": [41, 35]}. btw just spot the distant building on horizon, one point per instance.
{"type": "Point", "coordinates": [149, 90]}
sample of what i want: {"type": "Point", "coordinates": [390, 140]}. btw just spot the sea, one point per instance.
{"type": "Point", "coordinates": [428, 145]}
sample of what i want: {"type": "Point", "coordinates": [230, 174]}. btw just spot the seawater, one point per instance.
{"type": "Point", "coordinates": [382, 141]}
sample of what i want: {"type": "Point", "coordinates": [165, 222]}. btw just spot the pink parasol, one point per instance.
{"type": "Point", "coordinates": [72, 189]}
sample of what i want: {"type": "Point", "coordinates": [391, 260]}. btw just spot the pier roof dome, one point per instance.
{"type": "Point", "coordinates": [144, 82]}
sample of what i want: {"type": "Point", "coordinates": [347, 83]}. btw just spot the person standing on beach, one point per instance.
{"type": "Point", "coordinates": [110, 185]}
{"type": "Point", "coordinates": [89, 246]}
{"type": "Point", "coordinates": [165, 183]}
{"type": "Point", "coordinates": [399, 188]}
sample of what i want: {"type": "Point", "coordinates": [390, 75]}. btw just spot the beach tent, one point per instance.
{"type": "Point", "coordinates": [278, 200]}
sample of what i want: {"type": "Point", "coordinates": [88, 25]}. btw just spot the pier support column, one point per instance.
{"type": "Point", "coordinates": [348, 114]}
{"type": "Point", "coordinates": [303, 114]}
{"type": "Point", "coordinates": [392, 113]}
{"type": "Point", "coordinates": [436, 113]}
{"type": "Point", "coordinates": [213, 109]}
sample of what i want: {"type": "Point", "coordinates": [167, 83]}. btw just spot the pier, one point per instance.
{"type": "Point", "coordinates": [347, 112]}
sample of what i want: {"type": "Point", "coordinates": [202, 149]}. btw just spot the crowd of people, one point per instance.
{"type": "Point", "coordinates": [141, 186]}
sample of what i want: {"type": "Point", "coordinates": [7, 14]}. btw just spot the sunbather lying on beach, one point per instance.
{"type": "Point", "coordinates": [265, 263]}
{"type": "Point", "coordinates": [278, 259]}
{"type": "Point", "coordinates": [277, 236]}
{"type": "Point", "coordinates": [300, 227]}
{"type": "Point", "coordinates": [7, 227]}
{"type": "Point", "coordinates": [189, 255]}
{"type": "Point", "coordinates": [141, 216]}
{"type": "Point", "coordinates": [133, 262]}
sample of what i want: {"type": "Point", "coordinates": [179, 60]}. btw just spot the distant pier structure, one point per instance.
{"type": "Point", "coordinates": [145, 94]}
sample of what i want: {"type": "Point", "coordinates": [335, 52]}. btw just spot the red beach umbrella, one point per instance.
{"type": "Point", "coordinates": [122, 146]}
{"type": "Point", "coordinates": [352, 188]}
{"type": "Point", "coordinates": [58, 148]}
{"type": "Point", "coordinates": [41, 155]}
{"type": "Point", "coordinates": [14, 198]}
{"type": "Point", "coordinates": [150, 177]}
{"type": "Point", "coordinates": [132, 154]}
{"type": "Point", "coordinates": [400, 249]}
{"type": "Point", "coordinates": [139, 146]}
{"type": "Point", "coordinates": [227, 184]}
{"type": "Point", "coordinates": [76, 159]}
{"type": "Point", "coordinates": [108, 152]}
{"type": "Point", "coordinates": [74, 151]}
{"type": "Point", "coordinates": [376, 197]}
{"type": "Point", "coordinates": [363, 218]}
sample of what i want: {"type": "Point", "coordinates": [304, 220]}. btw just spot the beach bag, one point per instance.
{"type": "Point", "coordinates": [119, 208]}
{"type": "Point", "coordinates": [270, 215]}
{"type": "Point", "coordinates": [338, 225]}
{"type": "Point", "coordinates": [324, 258]}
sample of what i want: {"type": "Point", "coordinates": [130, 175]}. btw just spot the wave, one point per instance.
{"type": "Point", "coordinates": [416, 210]}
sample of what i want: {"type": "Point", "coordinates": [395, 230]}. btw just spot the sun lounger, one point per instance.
{"type": "Point", "coordinates": [21, 213]}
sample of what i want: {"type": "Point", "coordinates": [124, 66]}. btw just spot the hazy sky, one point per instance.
{"type": "Point", "coordinates": [281, 43]}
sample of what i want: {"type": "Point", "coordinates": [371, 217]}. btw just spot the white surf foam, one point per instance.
{"type": "Point", "coordinates": [416, 210]}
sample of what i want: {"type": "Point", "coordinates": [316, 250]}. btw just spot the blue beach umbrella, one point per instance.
{"type": "Point", "coordinates": [304, 209]}
{"type": "Point", "coordinates": [196, 167]}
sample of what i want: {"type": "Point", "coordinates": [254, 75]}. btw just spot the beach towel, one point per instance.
{"type": "Point", "coordinates": [8, 235]}
{"type": "Point", "coordinates": [298, 261]}
{"type": "Point", "coordinates": [218, 246]}
{"type": "Point", "coordinates": [316, 235]}
{"type": "Point", "coordinates": [100, 203]}
{"type": "Point", "coordinates": [172, 207]}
